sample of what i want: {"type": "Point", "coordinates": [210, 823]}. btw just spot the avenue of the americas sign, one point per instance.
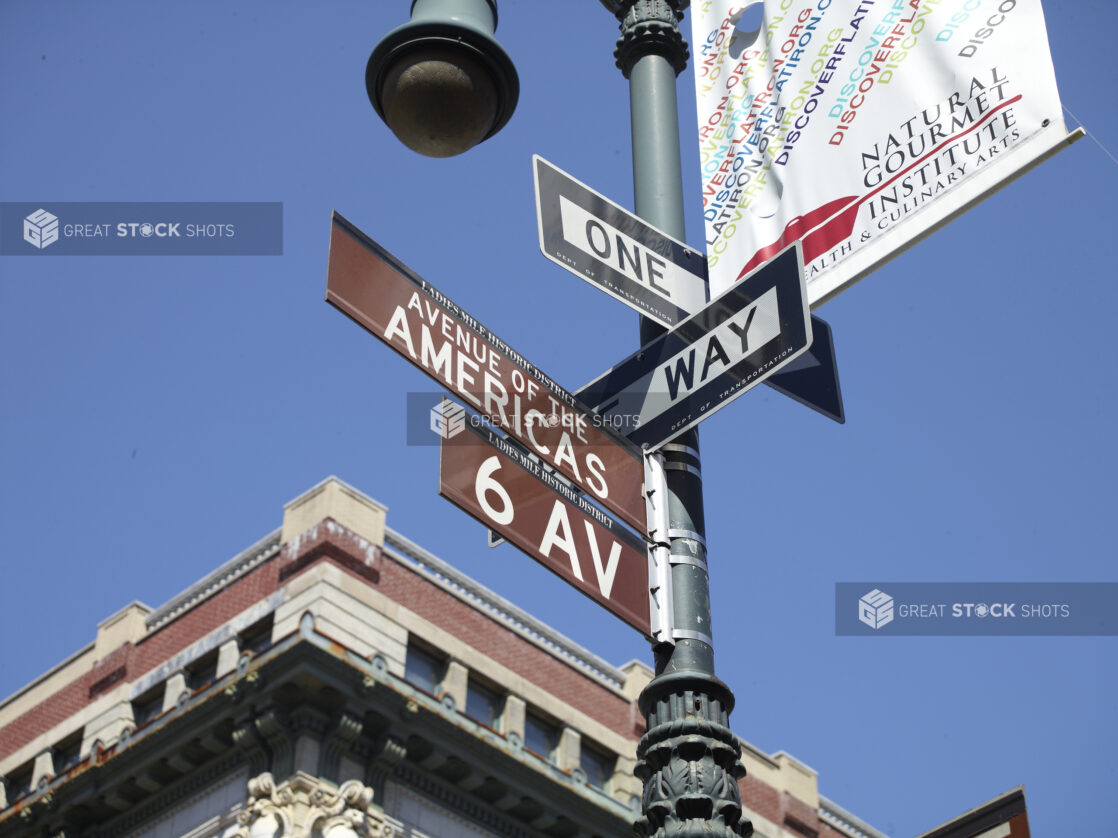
{"type": "Point", "coordinates": [414, 318]}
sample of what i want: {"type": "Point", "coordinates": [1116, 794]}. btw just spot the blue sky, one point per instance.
{"type": "Point", "coordinates": [158, 411]}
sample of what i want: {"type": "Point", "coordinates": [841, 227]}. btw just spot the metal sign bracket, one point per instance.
{"type": "Point", "coordinates": [660, 607]}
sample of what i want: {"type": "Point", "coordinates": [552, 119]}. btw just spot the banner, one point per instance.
{"type": "Point", "coordinates": [860, 126]}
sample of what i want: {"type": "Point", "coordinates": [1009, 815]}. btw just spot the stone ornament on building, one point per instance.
{"type": "Point", "coordinates": [306, 807]}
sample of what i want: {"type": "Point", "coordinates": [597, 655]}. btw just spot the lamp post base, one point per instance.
{"type": "Point", "coordinates": [689, 760]}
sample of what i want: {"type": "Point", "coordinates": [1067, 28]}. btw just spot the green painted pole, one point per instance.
{"type": "Point", "coordinates": [688, 759]}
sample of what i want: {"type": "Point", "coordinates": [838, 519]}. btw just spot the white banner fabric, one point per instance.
{"type": "Point", "coordinates": [860, 126]}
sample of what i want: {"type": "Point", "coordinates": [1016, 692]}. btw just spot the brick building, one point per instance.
{"type": "Point", "coordinates": [336, 679]}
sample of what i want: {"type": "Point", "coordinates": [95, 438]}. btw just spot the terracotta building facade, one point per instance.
{"type": "Point", "coordinates": [336, 679]}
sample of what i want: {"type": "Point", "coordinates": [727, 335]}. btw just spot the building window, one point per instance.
{"type": "Point", "coordinates": [596, 765]}
{"type": "Point", "coordinates": [482, 704]}
{"type": "Point", "coordinates": [257, 637]}
{"type": "Point", "coordinates": [202, 672]}
{"type": "Point", "coordinates": [19, 782]}
{"type": "Point", "coordinates": [147, 706]}
{"type": "Point", "coordinates": [67, 753]}
{"type": "Point", "coordinates": [541, 736]}
{"type": "Point", "coordinates": [423, 669]}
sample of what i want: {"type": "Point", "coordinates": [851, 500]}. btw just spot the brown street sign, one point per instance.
{"type": "Point", "coordinates": [373, 288]}
{"type": "Point", "coordinates": [497, 483]}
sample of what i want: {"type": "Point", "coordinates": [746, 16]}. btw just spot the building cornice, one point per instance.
{"type": "Point", "coordinates": [245, 561]}
{"type": "Point", "coordinates": [843, 820]}
{"type": "Point", "coordinates": [411, 555]}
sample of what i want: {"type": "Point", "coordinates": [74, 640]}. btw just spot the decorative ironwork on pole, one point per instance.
{"type": "Point", "coordinates": [689, 760]}
{"type": "Point", "coordinates": [649, 27]}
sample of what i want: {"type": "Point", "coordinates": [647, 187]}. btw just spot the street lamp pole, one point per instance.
{"type": "Point", "coordinates": [442, 83]}
{"type": "Point", "coordinates": [688, 759]}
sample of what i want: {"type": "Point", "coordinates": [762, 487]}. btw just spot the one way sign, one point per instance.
{"type": "Point", "coordinates": [608, 246]}
{"type": "Point", "coordinates": [754, 328]}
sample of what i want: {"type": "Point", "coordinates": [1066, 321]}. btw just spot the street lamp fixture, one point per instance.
{"type": "Point", "coordinates": [441, 82]}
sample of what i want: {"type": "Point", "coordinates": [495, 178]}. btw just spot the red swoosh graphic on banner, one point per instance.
{"type": "Point", "coordinates": [833, 222]}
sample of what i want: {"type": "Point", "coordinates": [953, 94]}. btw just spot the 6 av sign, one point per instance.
{"type": "Point", "coordinates": [507, 490]}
